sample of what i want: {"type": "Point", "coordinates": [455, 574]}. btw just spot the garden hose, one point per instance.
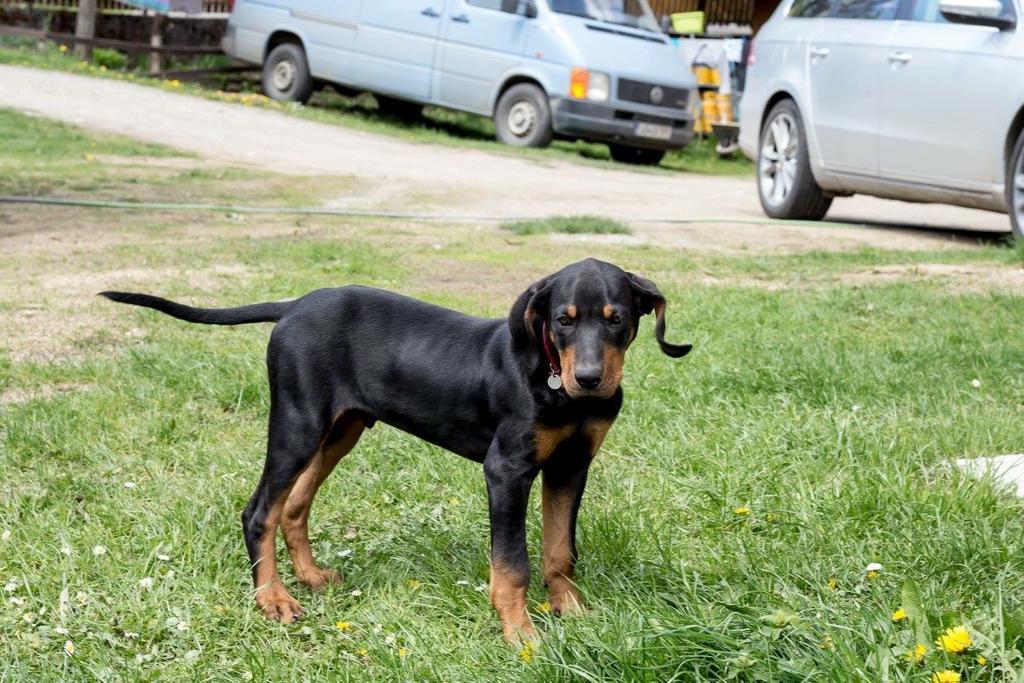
{"type": "Point", "coordinates": [394, 215]}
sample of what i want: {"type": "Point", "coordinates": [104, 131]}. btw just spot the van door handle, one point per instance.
{"type": "Point", "coordinates": [820, 52]}
{"type": "Point", "coordinates": [461, 18]}
{"type": "Point", "coordinates": [430, 12]}
{"type": "Point", "coordinates": [900, 57]}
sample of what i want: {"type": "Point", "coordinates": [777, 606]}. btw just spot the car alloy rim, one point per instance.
{"type": "Point", "coordinates": [1017, 193]}
{"type": "Point", "coordinates": [521, 118]}
{"type": "Point", "coordinates": [777, 166]}
{"type": "Point", "coordinates": [283, 75]}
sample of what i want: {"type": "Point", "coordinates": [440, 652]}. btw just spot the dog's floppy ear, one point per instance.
{"type": "Point", "coordinates": [530, 305]}
{"type": "Point", "coordinates": [648, 298]}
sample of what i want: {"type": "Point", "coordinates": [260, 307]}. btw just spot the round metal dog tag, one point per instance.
{"type": "Point", "coordinates": [555, 382]}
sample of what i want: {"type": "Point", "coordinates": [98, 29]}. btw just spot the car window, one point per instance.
{"type": "Point", "coordinates": [510, 6]}
{"type": "Point", "coordinates": [882, 10]}
{"type": "Point", "coordinates": [808, 9]}
{"type": "Point", "coordinates": [928, 10]}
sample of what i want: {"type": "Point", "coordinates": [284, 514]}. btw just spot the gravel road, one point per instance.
{"type": "Point", "coordinates": [402, 175]}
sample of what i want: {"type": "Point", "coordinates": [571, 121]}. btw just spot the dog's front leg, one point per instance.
{"type": "Point", "coordinates": [510, 472]}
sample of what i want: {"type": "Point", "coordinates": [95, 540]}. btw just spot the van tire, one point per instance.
{"type": "Point", "coordinates": [804, 199]}
{"type": "Point", "coordinates": [523, 117]}
{"type": "Point", "coordinates": [640, 156]}
{"type": "Point", "coordinates": [1015, 194]}
{"type": "Point", "coordinates": [286, 74]}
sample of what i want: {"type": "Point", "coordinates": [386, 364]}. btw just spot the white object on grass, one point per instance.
{"type": "Point", "coordinates": [1005, 469]}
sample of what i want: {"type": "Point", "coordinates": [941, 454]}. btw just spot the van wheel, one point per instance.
{"type": "Point", "coordinates": [784, 181]}
{"type": "Point", "coordinates": [403, 110]}
{"type": "Point", "coordinates": [636, 155]}
{"type": "Point", "coordinates": [286, 74]}
{"type": "Point", "coordinates": [1015, 188]}
{"type": "Point", "coordinates": [523, 117]}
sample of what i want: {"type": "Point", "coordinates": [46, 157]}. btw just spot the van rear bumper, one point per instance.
{"type": "Point", "coordinates": [609, 123]}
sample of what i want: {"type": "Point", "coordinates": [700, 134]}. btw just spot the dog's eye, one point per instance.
{"type": "Point", "coordinates": [616, 319]}
{"type": "Point", "coordinates": [565, 321]}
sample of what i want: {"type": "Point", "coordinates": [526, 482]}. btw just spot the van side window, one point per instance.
{"type": "Point", "coordinates": [510, 6]}
{"type": "Point", "coordinates": [881, 10]}
{"type": "Point", "coordinates": [809, 9]}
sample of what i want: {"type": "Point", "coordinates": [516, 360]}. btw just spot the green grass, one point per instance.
{"type": "Point", "coordinates": [437, 126]}
{"type": "Point", "coordinates": [727, 524]}
{"type": "Point", "coordinates": [573, 225]}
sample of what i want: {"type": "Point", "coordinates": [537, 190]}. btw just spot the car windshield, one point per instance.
{"type": "Point", "coordinates": [634, 13]}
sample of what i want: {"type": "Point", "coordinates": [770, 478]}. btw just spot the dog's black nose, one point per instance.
{"type": "Point", "coordinates": [588, 378]}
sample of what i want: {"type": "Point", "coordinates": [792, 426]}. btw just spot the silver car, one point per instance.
{"type": "Point", "coordinates": [919, 100]}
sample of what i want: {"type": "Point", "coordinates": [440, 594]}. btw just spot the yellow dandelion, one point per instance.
{"type": "Point", "coordinates": [63, 48]}
{"type": "Point", "coordinates": [827, 644]}
{"type": "Point", "coordinates": [872, 575]}
{"type": "Point", "coordinates": [453, 501]}
{"type": "Point", "coordinates": [917, 654]}
{"type": "Point", "coordinates": [363, 652]}
{"type": "Point", "coordinates": [742, 510]}
{"type": "Point", "coordinates": [544, 607]}
{"type": "Point", "coordinates": [832, 583]}
{"type": "Point", "coordinates": [899, 615]}
{"type": "Point", "coordinates": [90, 157]}
{"type": "Point", "coordinates": [954, 640]}
{"type": "Point", "coordinates": [526, 654]}
{"type": "Point", "coordinates": [343, 625]}
{"type": "Point", "coordinates": [982, 661]}
{"type": "Point", "coordinates": [102, 68]}
{"type": "Point", "coordinates": [402, 652]}
{"type": "Point", "coordinates": [945, 676]}
{"type": "Point", "coordinates": [413, 584]}
{"type": "Point", "coordinates": [69, 648]}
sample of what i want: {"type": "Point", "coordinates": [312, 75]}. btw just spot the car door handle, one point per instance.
{"type": "Point", "coordinates": [430, 12]}
{"type": "Point", "coordinates": [461, 18]}
{"type": "Point", "coordinates": [820, 52]}
{"type": "Point", "coordinates": [900, 57]}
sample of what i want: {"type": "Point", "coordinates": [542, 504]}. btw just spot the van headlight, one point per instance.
{"type": "Point", "coordinates": [589, 85]}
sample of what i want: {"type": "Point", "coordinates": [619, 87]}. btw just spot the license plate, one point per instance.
{"type": "Point", "coordinates": [654, 130]}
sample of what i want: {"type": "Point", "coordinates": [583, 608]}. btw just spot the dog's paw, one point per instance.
{"type": "Point", "coordinates": [318, 579]}
{"type": "Point", "coordinates": [567, 603]}
{"type": "Point", "coordinates": [278, 605]}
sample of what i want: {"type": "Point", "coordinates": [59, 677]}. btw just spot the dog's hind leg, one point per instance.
{"type": "Point", "coordinates": [291, 445]}
{"type": "Point", "coordinates": [341, 438]}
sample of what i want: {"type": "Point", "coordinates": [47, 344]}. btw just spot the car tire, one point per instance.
{"type": "Point", "coordinates": [636, 155]}
{"type": "Point", "coordinates": [286, 74]}
{"type": "Point", "coordinates": [404, 110]}
{"type": "Point", "coordinates": [523, 117]}
{"type": "Point", "coordinates": [1015, 188]}
{"type": "Point", "coordinates": [785, 184]}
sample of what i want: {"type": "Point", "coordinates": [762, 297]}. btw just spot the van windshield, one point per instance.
{"type": "Point", "coordinates": [634, 13]}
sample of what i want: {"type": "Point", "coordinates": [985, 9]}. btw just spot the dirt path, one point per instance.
{"type": "Point", "coordinates": [406, 176]}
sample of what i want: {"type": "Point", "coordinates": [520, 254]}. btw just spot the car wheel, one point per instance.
{"type": "Point", "coordinates": [636, 155]}
{"type": "Point", "coordinates": [784, 181]}
{"type": "Point", "coordinates": [523, 117]}
{"type": "Point", "coordinates": [286, 74]}
{"type": "Point", "coordinates": [1015, 188]}
{"type": "Point", "coordinates": [399, 109]}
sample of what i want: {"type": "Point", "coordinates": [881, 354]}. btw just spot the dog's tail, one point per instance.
{"type": "Point", "coordinates": [255, 313]}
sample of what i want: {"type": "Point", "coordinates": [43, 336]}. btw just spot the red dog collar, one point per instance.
{"type": "Point", "coordinates": [555, 379]}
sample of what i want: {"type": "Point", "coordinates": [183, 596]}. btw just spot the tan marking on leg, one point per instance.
{"type": "Point", "coordinates": [547, 439]}
{"type": "Point", "coordinates": [559, 563]}
{"type": "Point", "coordinates": [295, 514]}
{"type": "Point", "coordinates": [271, 596]}
{"type": "Point", "coordinates": [508, 596]}
{"type": "Point", "coordinates": [595, 431]}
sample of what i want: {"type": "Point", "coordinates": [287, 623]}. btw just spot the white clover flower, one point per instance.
{"type": "Point", "coordinates": [146, 582]}
{"type": "Point", "coordinates": [99, 550]}
{"type": "Point", "coordinates": [873, 567]}
{"type": "Point", "coordinates": [976, 383]}
{"type": "Point", "coordinates": [163, 558]}
{"type": "Point", "coordinates": [130, 484]}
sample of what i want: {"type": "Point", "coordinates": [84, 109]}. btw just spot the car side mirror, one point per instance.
{"type": "Point", "coordinates": [977, 12]}
{"type": "Point", "coordinates": [528, 8]}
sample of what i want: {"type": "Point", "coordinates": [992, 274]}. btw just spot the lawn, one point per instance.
{"type": "Point", "coordinates": [437, 126]}
{"type": "Point", "coordinates": [729, 521]}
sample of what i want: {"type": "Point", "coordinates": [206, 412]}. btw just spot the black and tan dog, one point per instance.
{"type": "Point", "coordinates": [534, 393]}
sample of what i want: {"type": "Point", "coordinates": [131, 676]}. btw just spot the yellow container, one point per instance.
{"type": "Point", "coordinates": [724, 105]}
{"type": "Point", "coordinates": [688, 22]}
{"type": "Point", "coordinates": [710, 111]}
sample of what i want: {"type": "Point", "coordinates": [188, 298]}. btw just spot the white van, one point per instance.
{"type": "Point", "coordinates": [578, 69]}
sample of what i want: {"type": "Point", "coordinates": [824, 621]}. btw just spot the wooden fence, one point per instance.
{"type": "Point", "coordinates": [715, 11]}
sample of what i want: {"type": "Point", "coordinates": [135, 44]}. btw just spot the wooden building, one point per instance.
{"type": "Point", "coordinates": [741, 13]}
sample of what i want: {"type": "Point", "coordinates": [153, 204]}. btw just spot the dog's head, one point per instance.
{"type": "Point", "coordinates": [590, 312]}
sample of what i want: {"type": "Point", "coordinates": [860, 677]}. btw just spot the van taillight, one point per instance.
{"type": "Point", "coordinates": [231, 6]}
